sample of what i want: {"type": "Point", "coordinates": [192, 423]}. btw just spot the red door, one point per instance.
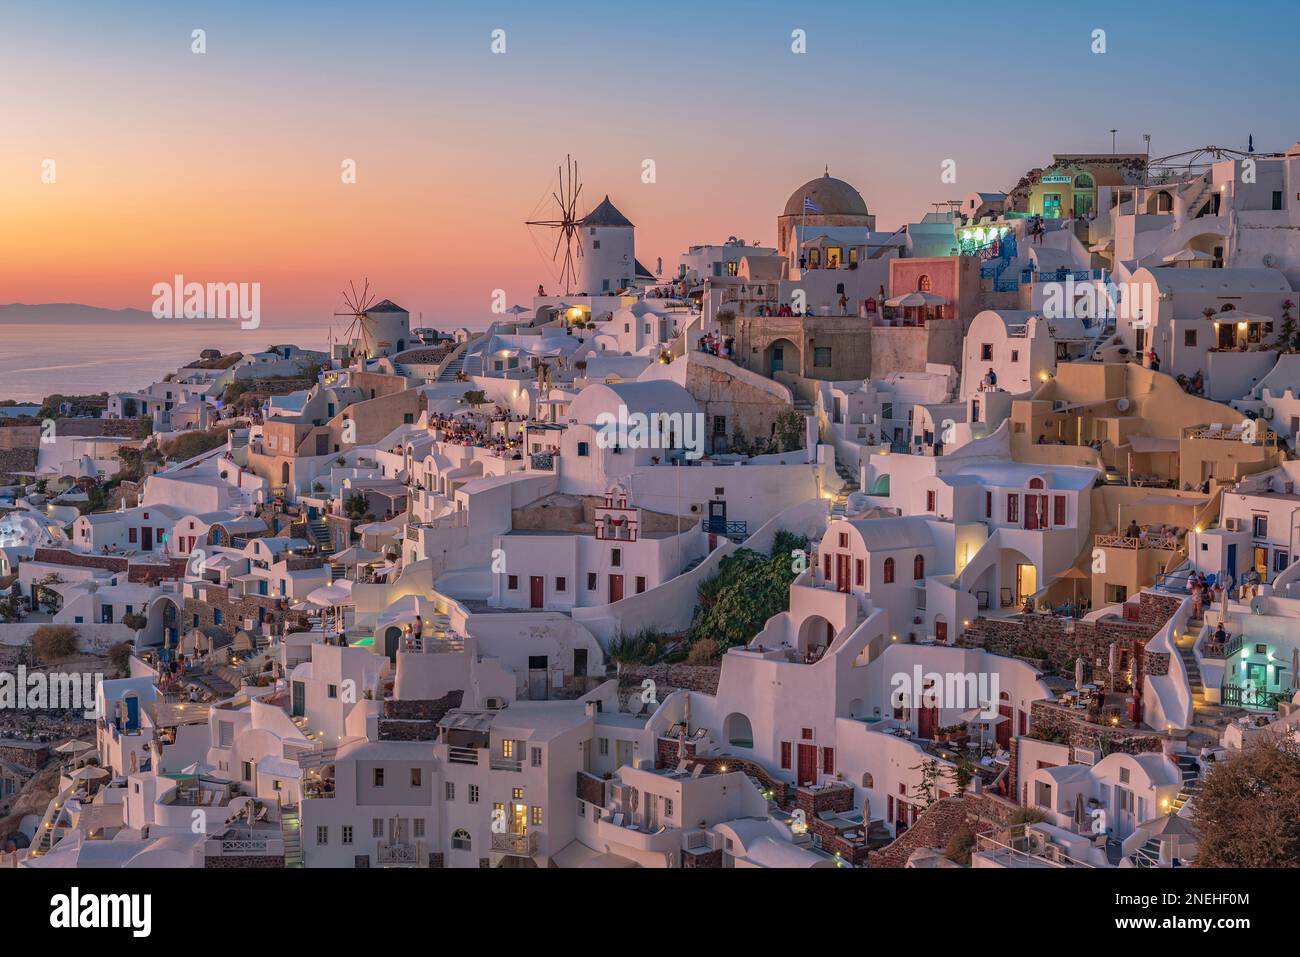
{"type": "Point", "coordinates": [1031, 511]}
{"type": "Point", "coordinates": [615, 588]}
{"type": "Point", "coordinates": [537, 591]}
{"type": "Point", "coordinates": [941, 632]}
{"type": "Point", "coordinates": [807, 764]}
{"type": "Point", "coordinates": [842, 573]}
{"type": "Point", "coordinates": [927, 719]}
{"type": "Point", "coordinates": [1004, 726]}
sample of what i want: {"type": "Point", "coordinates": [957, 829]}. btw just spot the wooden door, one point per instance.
{"type": "Point", "coordinates": [537, 591]}
{"type": "Point", "coordinates": [842, 573]}
{"type": "Point", "coordinates": [807, 764]}
{"type": "Point", "coordinates": [1004, 726]}
{"type": "Point", "coordinates": [615, 588]}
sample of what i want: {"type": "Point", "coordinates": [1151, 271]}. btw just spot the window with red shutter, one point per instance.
{"type": "Point", "coordinates": [1013, 508]}
{"type": "Point", "coordinates": [785, 755]}
{"type": "Point", "coordinates": [860, 572]}
{"type": "Point", "coordinates": [1058, 510]}
{"type": "Point", "coordinates": [828, 760]}
{"type": "Point", "coordinates": [889, 570]}
{"type": "Point", "coordinates": [918, 567]}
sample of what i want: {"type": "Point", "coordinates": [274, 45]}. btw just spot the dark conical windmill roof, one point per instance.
{"type": "Point", "coordinates": [606, 214]}
{"type": "Point", "coordinates": [386, 306]}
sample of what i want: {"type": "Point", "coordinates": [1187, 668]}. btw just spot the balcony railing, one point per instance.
{"type": "Point", "coordinates": [462, 755]}
{"type": "Point", "coordinates": [1239, 697]}
{"type": "Point", "coordinates": [515, 845]}
{"type": "Point", "coordinates": [406, 853]}
{"type": "Point", "coordinates": [498, 763]}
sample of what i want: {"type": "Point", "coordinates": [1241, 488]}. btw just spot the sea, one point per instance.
{"type": "Point", "coordinates": [85, 358]}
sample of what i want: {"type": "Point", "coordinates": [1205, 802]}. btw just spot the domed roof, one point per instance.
{"type": "Point", "coordinates": [833, 197]}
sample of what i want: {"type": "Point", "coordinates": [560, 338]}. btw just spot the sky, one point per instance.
{"type": "Point", "coordinates": [226, 166]}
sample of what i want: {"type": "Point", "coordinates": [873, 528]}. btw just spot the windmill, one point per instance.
{"type": "Point", "coordinates": [565, 195]}
{"type": "Point", "coordinates": [356, 303]}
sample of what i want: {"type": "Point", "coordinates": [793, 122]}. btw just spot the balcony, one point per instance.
{"type": "Point", "coordinates": [515, 845]}
{"type": "Point", "coordinates": [462, 755]}
{"type": "Point", "coordinates": [499, 763]}
{"type": "Point", "coordinates": [396, 855]}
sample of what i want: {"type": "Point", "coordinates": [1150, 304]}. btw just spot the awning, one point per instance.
{"type": "Point", "coordinates": [1149, 443]}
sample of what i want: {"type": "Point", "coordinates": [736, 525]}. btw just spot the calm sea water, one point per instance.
{"type": "Point", "coordinates": [87, 358]}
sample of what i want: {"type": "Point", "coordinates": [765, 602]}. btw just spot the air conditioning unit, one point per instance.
{"type": "Point", "coordinates": [1232, 524]}
{"type": "Point", "coordinates": [1268, 412]}
{"type": "Point", "coordinates": [495, 704]}
{"type": "Point", "coordinates": [1086, 756]}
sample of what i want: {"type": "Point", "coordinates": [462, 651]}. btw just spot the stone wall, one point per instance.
{"type": "Point", "coordinates": [24, 754]}
{"type": "Point", "coordinates": [1050, 721]}
{"type": "Point", "coordinates": [702, 679]}
{"type": "Point", "coordinates": [978, 813]}
{"type": "Point", "coordinates": [591, 789]}
{"type": "Point", "coordinates": [1053, 638]}
{"type": "Point", "coordinates": [244, 861]}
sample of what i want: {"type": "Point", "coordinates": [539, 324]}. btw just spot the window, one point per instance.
{"type": "Point", "coordinates": [616, 557]}
{"type": "Point", "coordinates": [473, 794]}
{"type": "Point", "coordinates": [535, 757]}
{"type": "Point", "coordinates": [460, 840]}
{"type": "Point", "coordinates": [1013, 508]}
{"type": "Point", "coordinates": [1280, 561]}
{"type": "Point", "coordinates": [1058, 509]}
{"type": "Point", "coordinates": [1042, 794]}
{"type": "Point", "coordinates": [640, 584]}
{"type": "Point", "coordinates": [247, 768]}
{"type": "Point", "coordinates": [561, 584]}
{"type": "Point", "coordinates": [417, 827]}
{"type": "Point", "coordinates": [1189, 338]}
{"type": "Point", "coordinates": [591, 581]}
{"type": "Point", "coordinates": [923, 284]}
{"type": "Point", "coordinates": [516, 794]}
{"type": "Point", "coordinates": [379, 777]}
{"type": "Point", "coordinates": [889, 571]}
{"type": "Point", "coordinates": [719, 425]}
{"type": "Point", "coordinates": [859, 572]}
{"type": "Point", "coordinates": [1259, 525]}
{"type": "Point", "coordinates": [930, 501]}
{"type": "Point", "coordinates": [333, 691]}
{"type": "Point", "coordinates": [785, 755]}
{"type": "Point", "coordinates": [507, 748]}
{"type": "Point", "coordinates": [322, 834]}
{"type": "Point", "coordinates": [1015, 355]}
{"type": "Point", "coordinates": [988, 504]}
{"type": "Point", "coordinates": [376, 827]}
{"type": "Point", "coordinates": [986, 352]}
{"type": "Point", "coordinates": [512, 582]}
{"type": "Point", "coordinates": [918, 568]}
{"type": "Point", "coordinates": [451, 790]}
{"type": "Point", "coordinates": [822, 356]}
{"type": "Point", "coordinates": [416, 777]}
{"type": "Point", "coordinates": [668, 807]}
{"type": "Point", "coordinates": [537, 815]}
{"type": "Point", "coordinates": [347, 833]}
{"type": "Point", "coordinates": [131, 535]}
{"type": "Point", "coordinates": [602, 746]}
{"type": "Point", "coordinates": [583, 449]}
{"type": "Point", "coordinates": [828, 760]}
{"type": "Point", "coordinates": [1277, 199]}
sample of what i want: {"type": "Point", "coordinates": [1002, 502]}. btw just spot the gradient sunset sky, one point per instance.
{"type": "Point", "coordinates": [226, 166]}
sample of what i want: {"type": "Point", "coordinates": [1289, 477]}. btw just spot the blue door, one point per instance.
{"type": "Point", "coordinates": [1231, 570]}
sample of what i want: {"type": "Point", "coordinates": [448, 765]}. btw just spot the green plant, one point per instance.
{"type": "Point", "coordinates": [1026, 815]}
{"type": "Point", "coordinates": [119, 656]}
{"type": "Point", "coordinates": [134, 621]}
{"type": "Point", "coordinates": [637, 648]}
{"type": "Point", "coordinates": [706, 651]}
{"type": "Point", "coordinates": [735, 602]}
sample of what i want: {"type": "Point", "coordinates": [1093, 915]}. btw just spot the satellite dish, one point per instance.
{"type": "Point", "coordinates": [1122, 403]}
{"type": "Point", "coordinates": [1270, 260]}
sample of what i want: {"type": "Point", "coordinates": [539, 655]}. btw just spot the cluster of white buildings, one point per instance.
{"type": "Point", "coordinates": [436, 610]}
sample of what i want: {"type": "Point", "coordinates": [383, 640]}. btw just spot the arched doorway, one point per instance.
{"type": "Point", "coordinates": [392, 637]}
{"type": "Point", "coordinates": [815, 636]}
{"type": "Point", "coordinates": [782, 356]}
{"type": "Point", "coordinates": [737, 731]}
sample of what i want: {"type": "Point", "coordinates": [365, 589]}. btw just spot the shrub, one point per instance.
{"type": "Point", "coordinates": [55, 642]}
{"type": "Point", "coordinates": [634, 649]}
{"type": "Point", "coordinates": [119, 656]}
{"type": "Point", "coordinates": [960, 846]}
{"type": "Point", "coordinates": [135, 622]}
{"type": "Point", "coordinates": [734, 603]}
{"type": "Point", "coordinates": [1246, 811]}
{"type": "Point", "coordinates": [706, 651]}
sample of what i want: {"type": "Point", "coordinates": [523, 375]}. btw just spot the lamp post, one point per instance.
{"type": "Point", "coordinates": [1112, 142]}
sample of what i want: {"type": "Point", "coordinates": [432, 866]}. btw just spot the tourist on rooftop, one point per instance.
{"type": "Point", "coordinates": [1134, 531]}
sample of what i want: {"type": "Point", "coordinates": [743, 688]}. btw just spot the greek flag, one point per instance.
{"type": "Point", "coordinates": [809, 206]}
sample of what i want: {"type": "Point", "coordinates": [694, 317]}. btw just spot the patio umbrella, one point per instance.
{"type": "Point", "coordinates": [89, 773]}
{"type": "Point", "coordinates": [1075, 575]}
{"type": "Point", "coordinates": [1078, 672]}
{"type": "Point", "coordinates": [75, 746]}
{"type": "Point", "coordinates": [914, 299]}
{"type": "Point", "coordinates": [1295, 669]}
{"type": "Point", "coordinates": [1176, 829]}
